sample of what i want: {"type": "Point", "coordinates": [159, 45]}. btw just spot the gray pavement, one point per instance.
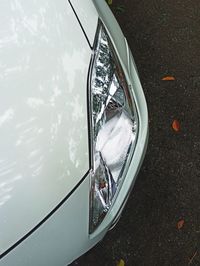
{"type": "Point", "coordinates": [165, 40]}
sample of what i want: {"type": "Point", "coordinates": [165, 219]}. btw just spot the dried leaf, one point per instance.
{"type": "Point", "coordinates": [176, 125]}
{"type": "Point", "coordinates": [192, 258]}
{"type": "Point", "coordinates": [121, 263]}
{"type": "Point", "coordinates": [180, 224]}
{"type": "Point", "coordinates": [168, 78]}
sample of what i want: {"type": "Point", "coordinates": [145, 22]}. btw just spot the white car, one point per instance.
{"type": "Point", "coordinates": [74, 128]}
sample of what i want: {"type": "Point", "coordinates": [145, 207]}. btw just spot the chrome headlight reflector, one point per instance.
{"type": "Point", "coordinates": [114, 126]}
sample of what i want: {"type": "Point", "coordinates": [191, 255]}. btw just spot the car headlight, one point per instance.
{"type": "Point", "coordinates": [114, 126]}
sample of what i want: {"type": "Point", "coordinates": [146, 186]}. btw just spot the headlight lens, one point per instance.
{"type": "Point", "coordinates": [114, 127]}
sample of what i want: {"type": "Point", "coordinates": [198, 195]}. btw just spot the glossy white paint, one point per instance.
{"type": "Point", "coordinates": [64, 235]}
{"type": "Point", "coordinates": [60, 239]}
{"type": "Point", "coordinates": [88, 16]}
{"type": "Point", "coordinates": [43, 112]}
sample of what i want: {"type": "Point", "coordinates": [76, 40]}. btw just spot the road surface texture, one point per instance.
{"type": "Point", "coordinates": [164, 37]}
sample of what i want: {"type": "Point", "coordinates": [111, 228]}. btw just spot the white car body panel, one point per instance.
{"type": "Point", "coordinates": [88, 16]}
{"type": "Point", "coordinates": [63, 237]}
{"type": "Point", "coordinates": [43, 111]}
{"type": "Point", "coordinates": [59, 240]}
{"type": "Point", "coordinates": [64, 234]}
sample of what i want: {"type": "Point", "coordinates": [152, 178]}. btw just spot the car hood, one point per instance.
{"type": "Point", "coordinates": [88, 16]}
{"type": "Point", "coordinates": [44, 61]}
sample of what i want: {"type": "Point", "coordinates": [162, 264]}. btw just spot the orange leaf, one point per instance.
{"type": "Point", "coordinates": [168, 78]}
{"type": "Point", "coordinates": [176, 125]}
{"type": "Point", "coordinates": [180, 224]}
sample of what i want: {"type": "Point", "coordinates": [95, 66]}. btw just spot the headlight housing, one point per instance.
{"type": "Point", "coordinates": [114, 126]}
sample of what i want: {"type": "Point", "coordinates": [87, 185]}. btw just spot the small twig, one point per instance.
{"type": "Point", "coordinates": [192, 258]}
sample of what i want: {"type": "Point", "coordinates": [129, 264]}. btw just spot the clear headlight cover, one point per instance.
{"type": "Point", "coordinates": [114, 125]}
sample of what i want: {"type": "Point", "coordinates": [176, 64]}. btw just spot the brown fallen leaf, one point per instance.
{"type": "Point", "coordinates": [192, 258]}
{"type": "Point", "coordinates": [180, 224]}
{"type": "Point", "coordinates": [176, 125]}
{"type": "Point", "coordinates": [168, 78]}
{"type": "Point", "coordinates": [121, 263]}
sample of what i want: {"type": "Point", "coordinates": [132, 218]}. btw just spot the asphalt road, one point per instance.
{"type": "Point", "coordinates": [165, 40]}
